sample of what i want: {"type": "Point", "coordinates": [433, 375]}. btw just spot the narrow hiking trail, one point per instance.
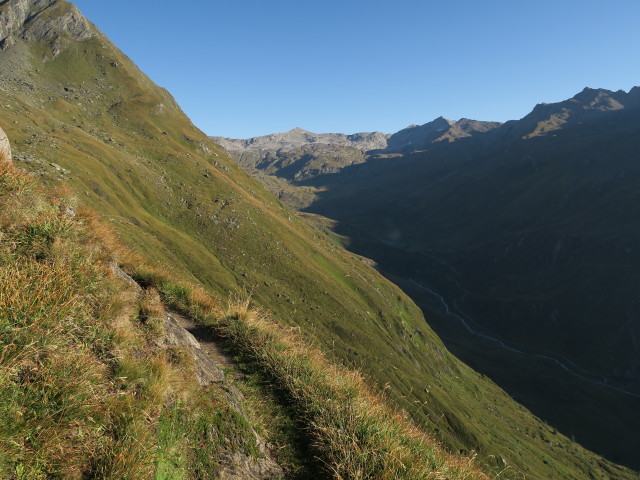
{"type": "Point", "coordinates": [210, 361]}
{"type": "Point", "coordinates": [214, 363]}
{"type": "Point", "coordinates": [209, 342]}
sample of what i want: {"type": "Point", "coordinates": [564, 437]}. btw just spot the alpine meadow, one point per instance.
{"type": "Point", "coordinates": [306, 306]}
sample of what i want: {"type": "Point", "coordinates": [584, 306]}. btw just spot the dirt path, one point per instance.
{"type": "Point", "coordinates": [209, 342]}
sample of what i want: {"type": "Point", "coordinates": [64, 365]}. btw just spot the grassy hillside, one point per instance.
{"type": "Point", "coordinates": [87, 387]}
{"type": "Point", "coordinates": [128, 151]}
{"type": "Point", "coordinates": [90, 390]}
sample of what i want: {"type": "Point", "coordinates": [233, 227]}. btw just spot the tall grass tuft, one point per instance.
{"type": "Point", "coordinates": [356, 434]}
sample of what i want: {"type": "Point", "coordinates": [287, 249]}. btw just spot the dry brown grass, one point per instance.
{"type": "Point", "coordinates": [81, 386]}
{"type": "Point", "coordinates": [357, 434]}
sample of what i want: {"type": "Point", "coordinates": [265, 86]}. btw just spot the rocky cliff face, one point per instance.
{"type": "Point", "coordinates": [5, 148]}
{"type": "Point", "coordinates": [49, 20]}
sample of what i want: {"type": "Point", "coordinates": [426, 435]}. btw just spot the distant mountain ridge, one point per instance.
{"type": "Point", "coordinates": [526, 229]}
{"type": "Point", "coordinates": [420, 137]}
{"type": "Point", "coordinates": [590, 104]}
{"type": "Point", "coordinates": [300, 155]}
{"type": "Point", "coordinates": [411, 138]}
{"type": "Point", "coordinates": [298, 137]}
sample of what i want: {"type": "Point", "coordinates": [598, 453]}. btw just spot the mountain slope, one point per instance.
{"type": "Point", "coordinates": [528, 231]}
{"type": "Point", "coordinates": [97, 380]}
{"type": "Point", "coordinates": [177, 199]}
{"type": "Point", "coordinates": [104, 383]}
{"type": "Point", "coordinates": [564, 185]}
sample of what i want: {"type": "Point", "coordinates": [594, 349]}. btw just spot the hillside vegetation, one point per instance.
{"type": "Point", "coordinates": [177, 200]}
{"type": "Point", "coordinates": [516, 239]}
{"type": "Point", "coordinates": [87, 387]}
{"type": "Point", "coordinates": [88, 392]}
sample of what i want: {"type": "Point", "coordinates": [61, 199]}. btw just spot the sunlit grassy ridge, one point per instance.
{"type": "Point", "coordinates": [85, 387]}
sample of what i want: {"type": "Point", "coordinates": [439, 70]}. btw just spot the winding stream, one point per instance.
{"type": "Point", "coordinates": [474, 331]}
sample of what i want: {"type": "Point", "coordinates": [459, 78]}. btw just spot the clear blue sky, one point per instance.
{"type": "Point", "coordinates": [246, 68]}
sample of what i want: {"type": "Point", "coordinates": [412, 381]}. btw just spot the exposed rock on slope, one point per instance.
{"type": "Point", "coordinates": [48, 20]}
{"type": "Point", "coordinates": [5, 147]}
{"type": "Point", "coordinates": [233, 465]}
{"type": "Point", "coordinates": [299, 155]}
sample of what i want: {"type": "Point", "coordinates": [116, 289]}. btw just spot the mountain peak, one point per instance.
{"type": "Point", "coordinates": [442, 119]}
{"type": "Point", "coordinates": [420, 137]}
{"type": "Point", "coordinates": [591, 94]}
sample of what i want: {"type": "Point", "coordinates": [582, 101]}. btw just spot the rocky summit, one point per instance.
{"type": "Point", "coordinates": [49, 20]}
{"type": "Point", "coordinates": [298, 137]}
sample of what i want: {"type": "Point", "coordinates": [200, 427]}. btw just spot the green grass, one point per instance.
{"type": "Point", "coordinates": [183, 205]}
{"type": "Point", "coordinates": [85, 388]}
{"type": "Point", "coordinates": [353, 432]}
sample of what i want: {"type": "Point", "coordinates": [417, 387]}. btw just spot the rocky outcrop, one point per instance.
{"type": "Point", "coordinates": [48, 20]}
{"type": "Point", "coordinates": [207, 370]}
{"type": "Point", "coordinates": [236, 466]}
{"type": "Point", "coordinates": [299, 155]}
{"type": "Point", "coordinates": [5, 147]}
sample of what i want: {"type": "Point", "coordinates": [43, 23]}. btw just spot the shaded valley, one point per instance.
{"type": "Point", "coordinates": [527, 232]}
